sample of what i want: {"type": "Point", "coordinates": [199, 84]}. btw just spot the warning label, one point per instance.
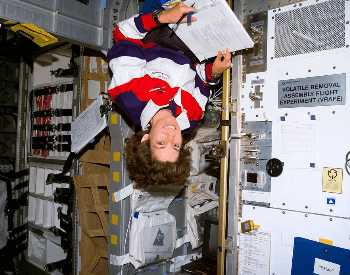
{"type": "Point", "coordinates": [332, 180]}
{"type": "Point", "coordinates": [312, 91]}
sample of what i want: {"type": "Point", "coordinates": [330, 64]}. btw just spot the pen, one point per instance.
{"type": "Point", "coordinates": [174, 28]}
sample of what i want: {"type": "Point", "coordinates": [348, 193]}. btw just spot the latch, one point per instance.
{"type": "Point", "coordinates": [233, 107]}
{"type": "Point", "coordinates": [229, 245]}
{"type": "Point", "coordinates": [256, 97]}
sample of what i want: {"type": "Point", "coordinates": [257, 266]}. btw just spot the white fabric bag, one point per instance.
{"type": "Point", "coordinates": [152, 235]}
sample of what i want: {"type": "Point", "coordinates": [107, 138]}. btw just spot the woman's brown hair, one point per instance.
{"type": "Point", "coordinates": [146, 170]}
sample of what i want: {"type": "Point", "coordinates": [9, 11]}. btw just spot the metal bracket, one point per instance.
{"type": "Point", "coordinates": [229, 245]}
{"type": "Point", "coordinates": [233, 107]}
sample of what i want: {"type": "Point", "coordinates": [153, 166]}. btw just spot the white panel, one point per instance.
{"type": "Point", "coordinates": [285, 225]}
{"type": "Point", "coordinates": [32, 179]}
{"type": "Point", "coordinates": [47, 214]}
{"type": "Point", "coordinates": [39, 212]}
{"type": "Point", "coordinates": [299, 187]}
{"type": "Point", "coordinates": [31, 209]}
{"type": "Point", "coordinates": [48, 187]}
{"type": "Point", "coordinates": [40, 181]}
{"type": "Point", "coordinates": [41, 68]}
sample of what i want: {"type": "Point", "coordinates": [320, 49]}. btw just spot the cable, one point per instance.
{"type": "Point", "coordinates": [347, 163]}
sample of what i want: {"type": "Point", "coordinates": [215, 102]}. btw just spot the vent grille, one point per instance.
{"type": "Point", "coordinates": [309, 29]}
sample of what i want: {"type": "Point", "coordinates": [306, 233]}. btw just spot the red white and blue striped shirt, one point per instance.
{"type": "Point", "coordinates": [148, 77]}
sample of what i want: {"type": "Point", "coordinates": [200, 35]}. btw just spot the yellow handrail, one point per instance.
{"type": "Point", "coordinates": [225, 117]}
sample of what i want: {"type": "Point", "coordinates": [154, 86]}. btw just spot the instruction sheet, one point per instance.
{"type": "Point", "coordinates": [87, 125]}
{"type": "Point", "coordinates": [254, 254]}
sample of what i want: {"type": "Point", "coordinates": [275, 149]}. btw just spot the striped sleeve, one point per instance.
{"type": "Point", "coordinates": [134, 28]}
{"type": "Point", "coordinates": [204, 72]}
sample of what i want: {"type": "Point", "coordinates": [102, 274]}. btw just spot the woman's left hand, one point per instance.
{"type": "Point", "coordinates": [222, 62]}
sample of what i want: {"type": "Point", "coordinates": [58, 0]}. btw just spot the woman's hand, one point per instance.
{"type": "Point", "coordinates": [174, 14]}
{"type": "Point", "coordinates": [222, 62]}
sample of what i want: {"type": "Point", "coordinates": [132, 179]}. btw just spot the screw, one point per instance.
{"type": "Point", "coordinates": [257, 164]}
{"type": "Point", "coordinates": [305, 215]}
{"type": "Point", "coordinates": [306, 207]}
{"type": "Point", "coordinates": [309, 71]}
{"type": "Point", "coordinates": [330, 219]}
{"type": "Point", "coordinates": [331, 210]}
{"type": "Point", "coordinates": [283, 204]}
{"type": "Point", "coordinates": [283, 212]}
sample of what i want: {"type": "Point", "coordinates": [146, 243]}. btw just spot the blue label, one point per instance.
{"type": "Point", "coordinates": [330, 200]}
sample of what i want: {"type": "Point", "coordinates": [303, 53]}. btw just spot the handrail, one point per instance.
{"type": "Point", "coordinates": [225, 117]}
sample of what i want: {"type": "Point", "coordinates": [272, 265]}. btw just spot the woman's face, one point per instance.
{"type": "Point", "coordinates": [165, 139]}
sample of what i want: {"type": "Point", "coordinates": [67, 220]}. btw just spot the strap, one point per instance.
{"type": "Point", "coordinates": [181, 241]}
{"type": "Point", "coordinates": [53, 112]}
{"type": "Point", "coordinates": [61, 178]}
{"type": "Point", "coordinates": [54, 90]}
{"type": "Point", "coordinates": [122, 260]}
{"type": "Point", "coordinates": [123, 193]}
{"type": "Point", "coordinates": [52, 127]}
{"type": "Point", "coordinates": [59, 138]}
{"type": "Point", "coordinates": [52, 147]}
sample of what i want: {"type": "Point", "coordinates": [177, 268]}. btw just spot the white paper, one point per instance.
{"type": "Point", "coordinates": [87, 125]}
{"type": "Point", "coordinates": [323, 267]}
{"type": "Point", "coordinates": [217, 28]}
{"type": "Point", "coordinates": [298, 145]}
{"type": "Point", "coordinates": [254, 254]}
{"type": "Point", "coordinates": [258, 196]}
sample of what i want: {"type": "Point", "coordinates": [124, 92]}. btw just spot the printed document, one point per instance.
{"type": "Point", "coordinates": [87, 125]}
{"type": "Point", "coordinates": [217, 28]}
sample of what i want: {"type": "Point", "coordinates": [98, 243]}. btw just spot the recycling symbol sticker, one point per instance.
{"type": "Point", "coordinates": [332, 180]}
{"type": "Point", "coordinates": [332, 173]}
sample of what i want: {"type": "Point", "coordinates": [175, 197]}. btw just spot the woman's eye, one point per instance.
{"type": "Point", "coordinates": [160, 142]}
{"type": "Point", "coordinates": [176, 145]}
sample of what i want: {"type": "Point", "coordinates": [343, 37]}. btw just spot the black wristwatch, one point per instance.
{"type": "Point", "coordinates": [156, 14]}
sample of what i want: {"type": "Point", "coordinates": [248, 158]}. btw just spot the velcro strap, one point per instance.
{"type": "Point", "coordinates": [52, 147]}
{"type": "Point", "coordinates": [52, 127]}
{"type": "Point", "coordinates": [59, 138]}
{"type": "Point", "coordinates": [123, 193]}
{"type": "Point", "coordinates": [53, 112]}
{"type": "Point", "coordinates": [54, 90]}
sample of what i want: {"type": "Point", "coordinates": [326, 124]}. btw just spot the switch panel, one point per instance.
{"type": "Point", "coordinates": [255, 152]}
